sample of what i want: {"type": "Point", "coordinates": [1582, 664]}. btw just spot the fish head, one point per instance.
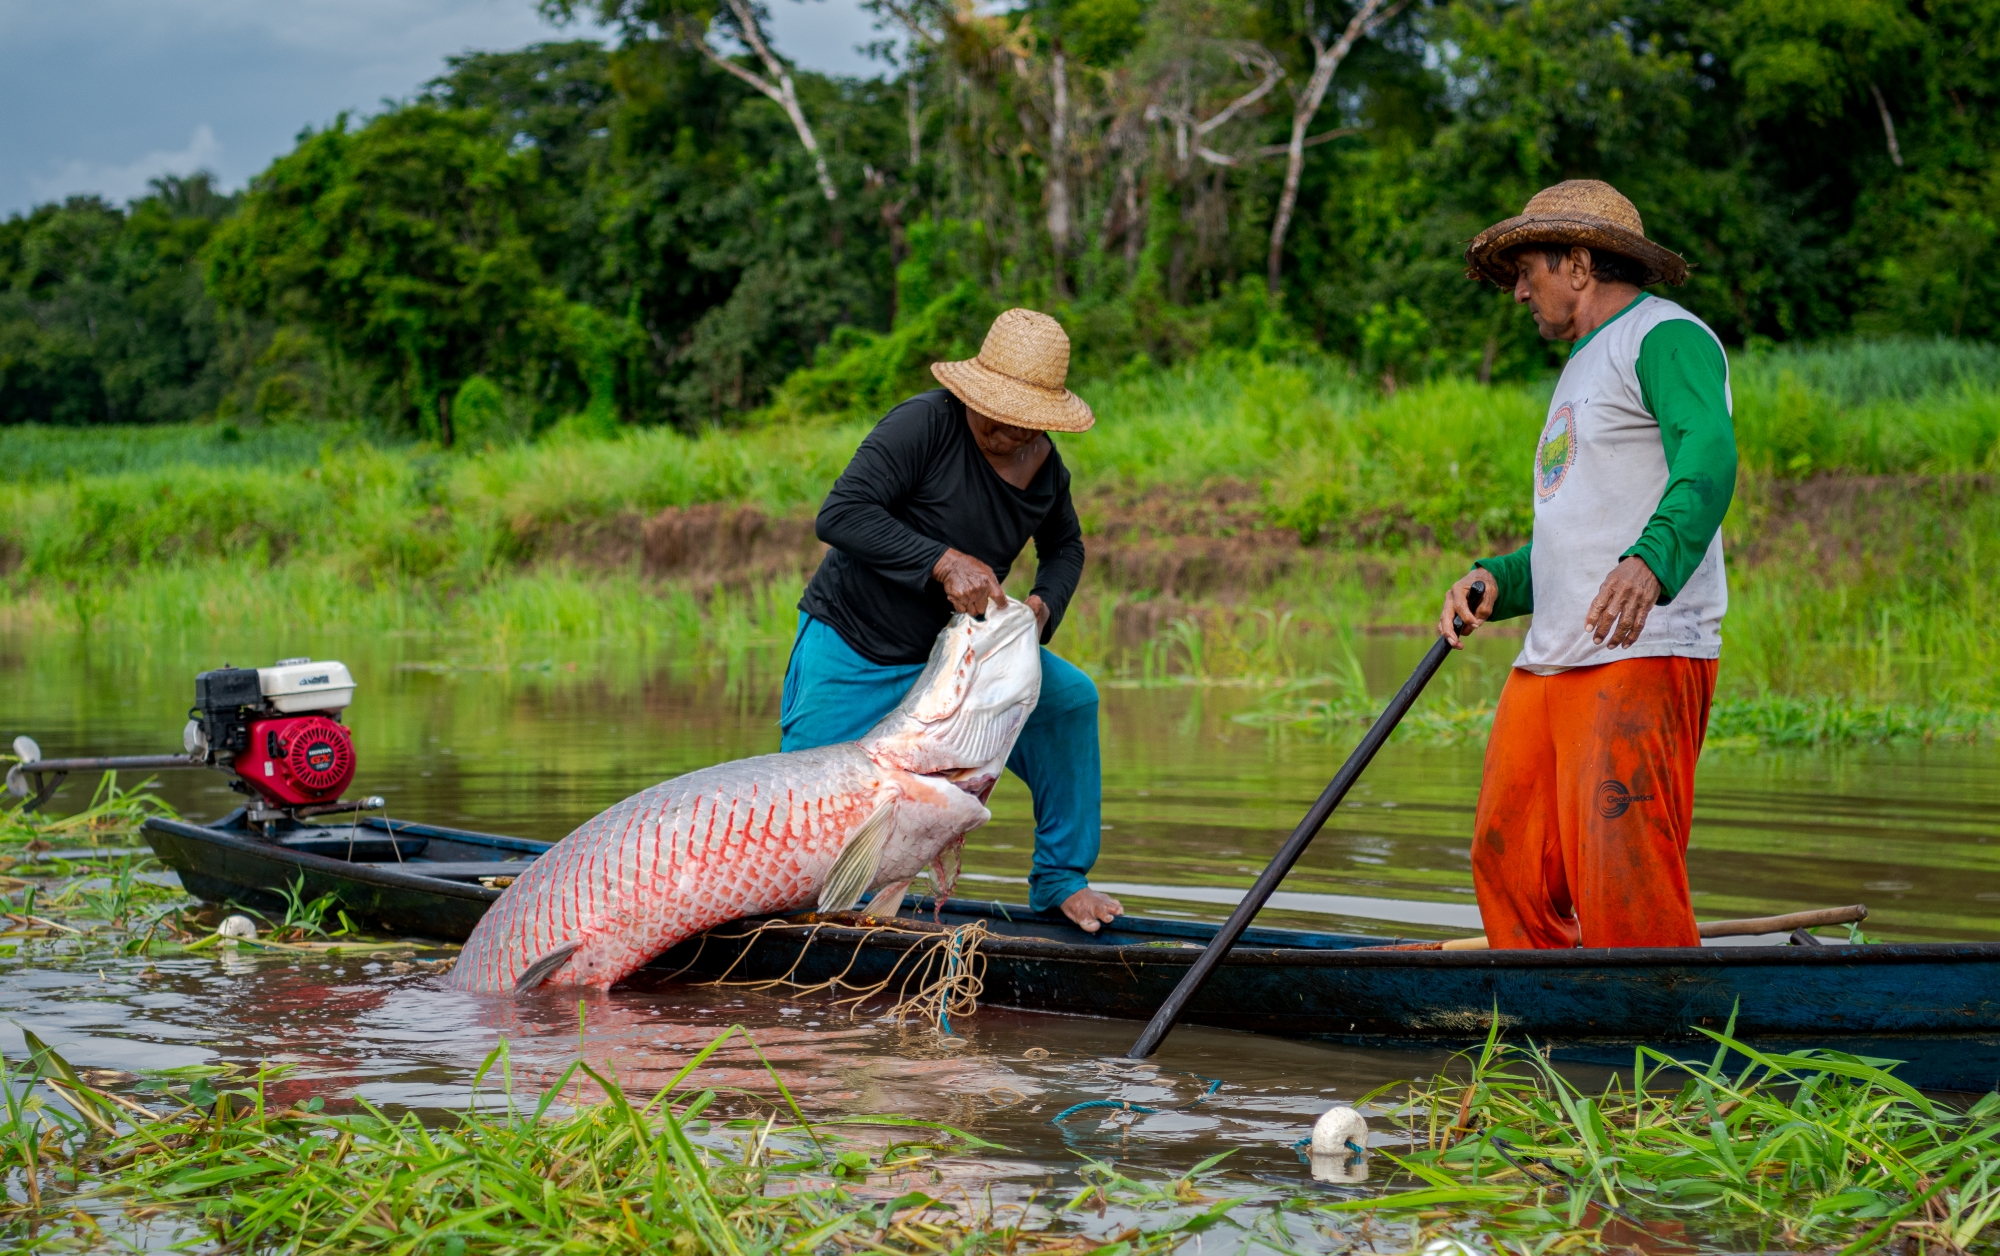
{"type": "Point", "coordinates": [961, 717]}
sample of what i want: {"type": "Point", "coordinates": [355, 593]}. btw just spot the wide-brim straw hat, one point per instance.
{"type": "Point", "coordinates": [1018, 376]}
{"type": "Point", "coordinates": [1589, 212]}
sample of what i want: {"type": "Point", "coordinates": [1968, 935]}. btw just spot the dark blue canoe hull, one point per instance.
{"type": "Point", "coordinates": [1935, 1006]}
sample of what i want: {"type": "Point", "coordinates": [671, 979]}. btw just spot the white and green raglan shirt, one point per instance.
{"type": "Point", "coordinates": [1637, 457]}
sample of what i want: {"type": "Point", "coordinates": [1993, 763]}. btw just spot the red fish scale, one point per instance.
{"type": "Point", "coordinates": [716, 844]}
{"type": "Point", "coordinates": [740, 839]}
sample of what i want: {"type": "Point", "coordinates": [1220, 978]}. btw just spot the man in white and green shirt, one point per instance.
{"type": "Point", "coordinates": [1588, 793]}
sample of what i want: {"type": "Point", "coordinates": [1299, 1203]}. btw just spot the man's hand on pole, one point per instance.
{"type": "Point", "coordinates": [968, 583]}
{"type": "Point", "coordinates": [1458, 603]}
{"type": "Point", "coordinates": [1623, 601]}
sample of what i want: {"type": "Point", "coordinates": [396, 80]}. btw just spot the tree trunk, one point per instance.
{"type": "Point", "coordinates": [1059, 214]}
{"type": "Point", "coordinates": [806, 137]}
{"type": "Point", "coordinates": [1325, 61]}
{"type": "Point", "coordinates": [778, 87]}
{"type": "Point", "coordinates": [1888, 126]}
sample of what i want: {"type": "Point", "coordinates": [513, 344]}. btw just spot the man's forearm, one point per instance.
{"type": "Point", "coordinates": [867, 532]}
{"type": "Point", "coordinates": [1701, 484]}
{"type": "Point", "coordinates": [1056, 579]}
{"type": "Point", "coordinates": [1516, 574]}
{"type": "Point", "coordinates": [1058, 560]}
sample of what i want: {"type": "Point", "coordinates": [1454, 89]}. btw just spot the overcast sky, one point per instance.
{"type": "Point", "coordinates": [101, 95]}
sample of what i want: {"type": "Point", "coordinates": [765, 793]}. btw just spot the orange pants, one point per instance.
{"type": "Point", "coordinates": [1582, 832]}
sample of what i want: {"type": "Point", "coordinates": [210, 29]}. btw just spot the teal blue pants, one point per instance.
{"type": "Point", "coordinates": [832, 694]}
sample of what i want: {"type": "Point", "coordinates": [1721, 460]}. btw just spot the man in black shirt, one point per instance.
{"type": "Point", "coordinates": [927, 519]}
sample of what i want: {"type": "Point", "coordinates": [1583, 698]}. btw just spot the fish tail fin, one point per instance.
{"type": "Point", "coordinates": [854, 871]}
{"type": "Point", "coordinates": [544, 968]}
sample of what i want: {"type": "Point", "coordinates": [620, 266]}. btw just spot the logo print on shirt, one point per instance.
{"type": "Point", "coordinates": [1614, 800]}
{"type": "Point", "coordinates": [1557, 452]}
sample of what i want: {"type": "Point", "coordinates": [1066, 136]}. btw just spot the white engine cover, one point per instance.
{"type": "Point", "coordinates": [303, 685]}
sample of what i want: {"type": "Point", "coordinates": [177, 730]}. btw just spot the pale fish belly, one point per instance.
{"type": "Point", "coordinates": [738, 839]}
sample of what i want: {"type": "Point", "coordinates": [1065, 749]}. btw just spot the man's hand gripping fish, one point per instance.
{"type": "Point", "coordinates": [777, 832]}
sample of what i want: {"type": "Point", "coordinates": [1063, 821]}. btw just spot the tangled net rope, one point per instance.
{"type": "Point", "coordinates": [934, 980]}
{"type": "Point", "coordinates": [959, 981]}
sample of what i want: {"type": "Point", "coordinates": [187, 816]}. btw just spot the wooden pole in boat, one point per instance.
{"type": "Point", "coordinates": [1302, 836]}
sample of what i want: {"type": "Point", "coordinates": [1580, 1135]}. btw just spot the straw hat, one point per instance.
{"type": "Point", "coordinates": [1589, 212]}
{"type": "Point", "coordinates": [1018, 376]}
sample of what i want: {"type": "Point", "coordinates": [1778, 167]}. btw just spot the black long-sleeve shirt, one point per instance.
{"type": "Point", "coordinates": [919, 485]}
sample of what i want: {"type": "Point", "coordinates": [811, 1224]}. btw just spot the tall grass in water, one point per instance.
{"type": "Point", "coordinates": [582, 1167]}
{"type": "Point", "coordinates": [1809, 1150]}
{"type": "Point", "coordinates": [111, 818]}
{"type": "Point", "coordinates": [502, 621]}
{"type": "Point", "coordinates": [1806, 1150]}
{"type": "Point", "coordinates": [1871, 601]}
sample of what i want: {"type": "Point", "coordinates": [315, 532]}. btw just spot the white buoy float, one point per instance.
{"type": "Point", "coordinates": [238, 927]}
{"type": "Point", "coordinates": [1339, 1146]}
{"type": "Point", "coordinates": [1341, 1132]}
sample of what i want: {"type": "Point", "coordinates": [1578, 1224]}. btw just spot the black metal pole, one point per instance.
{"type": "Point", "coordinates": [113, 763]}
{"type": "Point", "coordinates": [1295, 845]}
{"type": "Point", "coordinates": [35, 781]}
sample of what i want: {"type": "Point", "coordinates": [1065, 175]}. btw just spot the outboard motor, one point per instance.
{"type": "Point", "coordinates": [277, 730]}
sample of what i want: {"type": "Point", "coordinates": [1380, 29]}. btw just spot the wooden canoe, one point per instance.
{"type": "Point", "coordinates": [1935, 1006]}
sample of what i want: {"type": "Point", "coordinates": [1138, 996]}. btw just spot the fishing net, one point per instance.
{"type": "Point", "coordinates": [939, 974]}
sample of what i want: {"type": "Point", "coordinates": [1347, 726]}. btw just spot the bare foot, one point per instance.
{"type": "Point", "coordinates": [1091, 910]}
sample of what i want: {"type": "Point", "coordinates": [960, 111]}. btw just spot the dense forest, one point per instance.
{"type": "Point", "coordinates": [685, 229]}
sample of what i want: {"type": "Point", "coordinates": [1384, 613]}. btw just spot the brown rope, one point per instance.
{"type": "Point", "coordinates": [948, 970]}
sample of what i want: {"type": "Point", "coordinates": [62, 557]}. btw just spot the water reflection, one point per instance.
{"type": "Point", "coordinates": [357, 1030]}
{"type": "Point", "coordinates": [1195, 803]}
{"type": "Point", "coordinates": [1193, 798]}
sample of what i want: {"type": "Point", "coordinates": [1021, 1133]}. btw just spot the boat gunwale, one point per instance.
{"type": "Point", "coordinates": [1016, 947]}
{"type": "Point", "coordinates": [365, 873]}
{"type": "Point", "coordinates": [1125, 954]}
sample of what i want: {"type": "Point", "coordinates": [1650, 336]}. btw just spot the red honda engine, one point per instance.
{"type": "Point", "coordinates": [277, 729]}
{"type": "Point", "coordinates": [297, 761]}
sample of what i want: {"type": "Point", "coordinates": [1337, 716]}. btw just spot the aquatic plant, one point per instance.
{"type": "Point", "coordinates": [1771, 721]}
{"type": "Point", "coordinates": [113, 814]}
{"type": "Point", "coordinates": [1808, 1149]}
{"type": "Point", "coordinates": [583, 1166]}
{"type": "Point", "coordinates": [1441, 717]}
{"type": "Point", "coordinates": [303, 917]}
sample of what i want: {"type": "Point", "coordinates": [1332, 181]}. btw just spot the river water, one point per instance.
{"type": "Point", "coordinates": [535, 741]}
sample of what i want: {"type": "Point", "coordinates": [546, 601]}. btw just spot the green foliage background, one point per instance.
{"type": "Point", "coordinates": [631, 234]}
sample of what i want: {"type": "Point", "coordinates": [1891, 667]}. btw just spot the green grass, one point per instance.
{"type": "Point", "coordinates": [111, 818]}
{"type": "Point", "coordinates": [38, 453]}
{"type": "Point", "coordinates": [1439, 465]}
{"type": "Point", "coordinates": [1871, 600]}
{"type": "Point", "coordinates": [1814, 1150]}
{"type": "Point", "coordinates": [73, 886]}
{"type": "Point", "coordinates": [202, 1155]}
{"type": "Point", "coordinates": [1861, 372]}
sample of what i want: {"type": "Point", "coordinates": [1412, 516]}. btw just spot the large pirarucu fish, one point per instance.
{"type": "Point", "coordinates": [774, 833]}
